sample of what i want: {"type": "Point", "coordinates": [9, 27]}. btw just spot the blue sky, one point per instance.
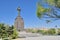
{"type": "Point", "coordinates": [8, 13]}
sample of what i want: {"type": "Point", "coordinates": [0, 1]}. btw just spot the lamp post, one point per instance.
{"type": "Point", "coordinates": [56, 29]}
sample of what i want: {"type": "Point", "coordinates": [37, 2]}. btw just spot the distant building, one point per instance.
{"type": "Point", "coordinates": [19, 22]}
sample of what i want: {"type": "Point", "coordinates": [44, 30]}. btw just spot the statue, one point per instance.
{"type": "Point", "coordinates": [19, 23]}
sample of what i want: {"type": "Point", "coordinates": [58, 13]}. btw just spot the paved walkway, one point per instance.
{"type": "Point", "coordinates": [36, 36]}
{"type": "Point", "coordinates": [19, 39]}
{"type": "Point", "coordinates": [41, 38]}
{"type": "Point", "coordinates": [44, 38]}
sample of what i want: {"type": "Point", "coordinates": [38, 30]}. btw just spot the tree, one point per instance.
{"type": "Point", "coordinates": [53, 3]}
{"type": "Point", "coordinates": [48, 9]}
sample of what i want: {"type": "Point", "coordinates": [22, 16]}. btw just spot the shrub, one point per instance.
{"type": "Point", "coordinates": [50, 32]}
{"type": "Point", "coordinates": [15, 34]}
{"type": "Point", "coordinates": [7, 31]}
{"type": "Point", "coordinates": [59, 31]}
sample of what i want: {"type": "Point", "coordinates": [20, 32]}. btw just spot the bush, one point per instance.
{"type": "Point", "coordinates": [15, 34]}
{"type": "Point", "coordinates": [7, 31]}
{"type": "Point", "coordinates": [59, 31]}
{"type": "Point", "coordinates": [50, 32]}
{"type": "Point", "coordinates": [40, 31]}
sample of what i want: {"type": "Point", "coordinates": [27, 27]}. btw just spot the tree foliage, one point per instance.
{"type": "Point", "coordinates": [41, 10]}
{"type": "Point", "coordinates": [53, 3]}
{"type": "Point", "coordinates": [48, 9]}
